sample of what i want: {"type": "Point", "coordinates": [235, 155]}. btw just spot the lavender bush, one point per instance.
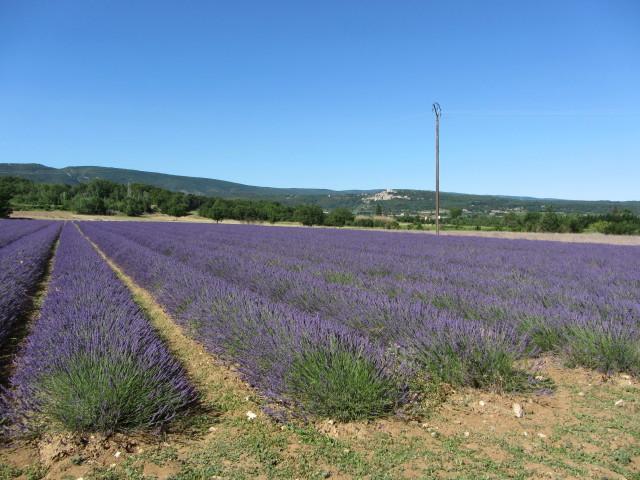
{"type": "Point", "coordinates": [469, 352]}
{"type": "Point", "coordinates": [22, 264]}
{"type": "Point", "coordinates": [92, 361]}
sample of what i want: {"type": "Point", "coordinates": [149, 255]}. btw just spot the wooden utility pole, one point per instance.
{"type": "Point", "coordinates": [437, 111]}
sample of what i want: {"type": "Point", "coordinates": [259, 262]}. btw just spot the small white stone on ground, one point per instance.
{"type": "Point", "coordinates": [212, 429]}
{"type": "Point", "coordinates": [466, 434]}
{"type": "Point", "coordinates": [251, 415]}
{"type": "Point", "coordinates": [526, 434]}
{"type": "Point", "coordinates": [581, 394]}
{"type": "Point", "coordinates": [518, 411]}
{"type": "Point", "coordinates": [625, 376]}
{"type": "Point", "coordinates": [542, 435]}
{"type": "Point", "coordinates": [117, 454]}
{"type": "Point", "coordinates": [619, 403]}
{"type": "Point", "coordinates": [539, 377]}
{"type": "Point", "coordinates": [481, 403]}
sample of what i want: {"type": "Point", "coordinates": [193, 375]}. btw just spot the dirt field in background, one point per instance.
{"type": "Point", "coordinates": [158, 217]}
{"type": "Point", "coordinates": [65, 215]}
{"type": "Point", "coordinates": [555, 237]}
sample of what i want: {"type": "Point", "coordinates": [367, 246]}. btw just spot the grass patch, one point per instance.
{"type": "Point", "coordinates": [106, 395]}
{"type": "Point", "coordinates": [341, 384]}
{"type": "Point", "coordinates": [544, 337]}
{"type": "Point", "coordinates": [602, 351]}
{"type": "Point", "coordinates": [341, 278]}
{"type": "Point", "coordinates": [488, 368]}
{"type": "Point", "coordinates": [599, 347]}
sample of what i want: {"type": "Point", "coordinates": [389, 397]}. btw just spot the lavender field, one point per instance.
{"type": "Point", "coordinates": [322, 329]}
{"type": "Point", "coordinates": [323, 323]}
{"type": "Point", "coordinates": [313, 316]}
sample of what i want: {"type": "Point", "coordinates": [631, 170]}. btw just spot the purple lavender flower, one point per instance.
{"type": "Point", "coordinates": [92, 361]}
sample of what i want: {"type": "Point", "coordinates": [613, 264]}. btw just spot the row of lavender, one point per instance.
{"type": "Point", "coordinates": [482, 279]}
{"type": "Point", "coordinates": [12, 230]}
{"type": "Point", "coordinates": [292, 356]}
{"type": "Point", "coordinates": [523, 296]}
{"type": "Point", "coordinates": [92, 361]}
{"type": "Point", "coordinates": [26, 248]}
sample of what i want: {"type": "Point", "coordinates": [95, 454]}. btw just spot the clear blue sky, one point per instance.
{"type": "Point", "coordinates": [540, 98]}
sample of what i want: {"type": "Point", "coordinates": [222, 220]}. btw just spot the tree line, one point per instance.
{"type": "Point", "coordinates": [99, 197]}
{"type": "Point", "coordinates": [103, 197]}
{"type": "Point", "coordinates": [616, 222]}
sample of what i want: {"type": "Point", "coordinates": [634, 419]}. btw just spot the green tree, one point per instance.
{"type": "Point", "coordinates": [309, 215]}
{"type": "Point", "coordinates": [455, 212]}
{"type": "Point", "coordinates": [132, 207]}
{"type": "Point", "coordinates": [339, 217]}
{"type": "Point", "coordinates": [512, 221]}
{"type": "Point", "coordinates": [177, 206]}
{"type": "Point", "coordinates": [219, 210]}
{"type": "Point", "coordinates": [550, 221]}
{"type": "Point", "coordinates": [5, 202]}
{"type": "Point", "coordinates": [531, 221]}
{"type": "Point", "coordinates": [378, 209]}
{"type": "Point", "coordinates": [88, 205]}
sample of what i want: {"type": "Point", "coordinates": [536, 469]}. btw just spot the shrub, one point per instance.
{"type": "Point", "coordinates": [609, 350]}
{"type": "Point", "coordinates": [544, 336]}
{"type": "Point", "coordinates": [101, 393]}
{"type": "Point", "coordinates": [309, 215]}
{"type": "Point", "coordinates": [469, 353]}
{"type": "Point", "coordinates": [341, 384]}
{"type": "Point", "coordinates": [339, 217]}
{"type": "Point", "coordinates": [5, 203]}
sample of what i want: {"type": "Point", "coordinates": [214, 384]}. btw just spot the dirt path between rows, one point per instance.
{"type": "Point", "coordinates": [215, 382]}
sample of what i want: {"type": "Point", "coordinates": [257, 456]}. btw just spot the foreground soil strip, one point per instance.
{"type": "Point", "coordinates": [217, 383]}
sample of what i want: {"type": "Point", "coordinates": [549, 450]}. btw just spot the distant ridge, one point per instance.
{"type": "Point", "coordinates": [177, 183]}
{"type": "Point", "coordinates": [409, 201]}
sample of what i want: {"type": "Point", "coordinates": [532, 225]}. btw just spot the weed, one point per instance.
{"type": "Point", "coordinates": [342, 385]}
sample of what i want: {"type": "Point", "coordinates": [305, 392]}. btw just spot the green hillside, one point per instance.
{"type": "Point", "coordinates": [196, 185]}
{"type": "Point", "coordinates": [407, 201]}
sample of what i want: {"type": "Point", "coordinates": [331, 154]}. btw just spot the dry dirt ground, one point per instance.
{"type": "Point", "coordinates": [589, 427]}
{"type": "Point", "coordinates": [158, 217]}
